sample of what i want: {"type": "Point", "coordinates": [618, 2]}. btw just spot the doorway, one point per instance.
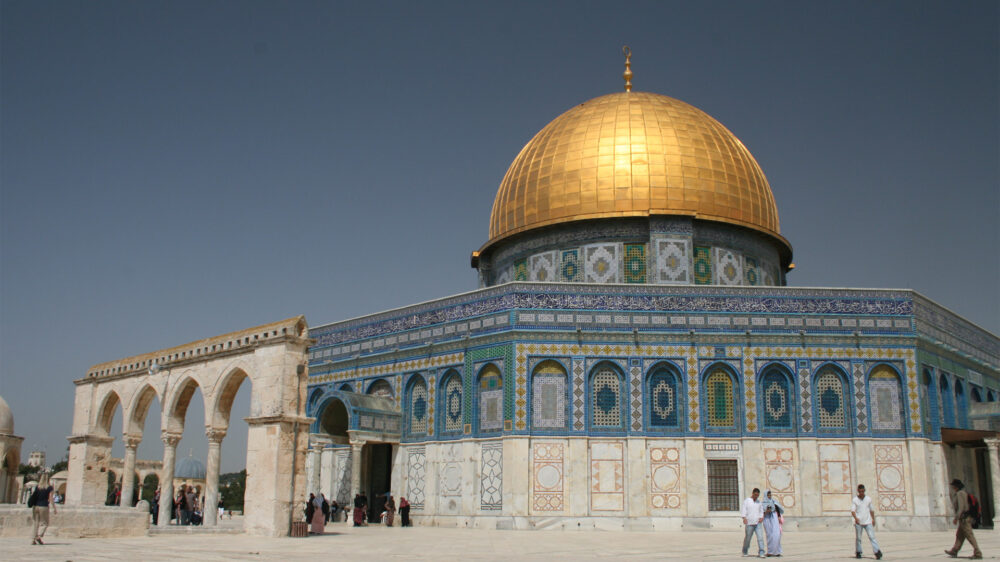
{"type": "Point", "coordinates": [985, 486]}
{"type": "Point", "coordinates": [377, 458]}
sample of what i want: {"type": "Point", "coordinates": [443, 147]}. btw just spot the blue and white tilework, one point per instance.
{"type": "Point", "coordinates": [490, 399]}
{"type": "Point", "coordinates": [673, 261]}
{"type": "Point", "coordinates": [548, 396]}
{"type": "Point", "coordinates": [453, 404]}
{"type": "Point", "coordinates": [419, 406]}
{"type": "Point", "coordinates": [606, 398]}
{"type": "Point", "coordinates": [542, 267]}
{"type": "Point", "coordinates": [860, 396]}
{"type": "Point", "coordinates": [602, 263]}
{"type": "Point", "coordinates": [579, 393]}
{"type": "Point", "coordinates": [727, 266]}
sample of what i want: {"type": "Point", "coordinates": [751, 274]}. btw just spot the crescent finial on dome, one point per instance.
{"type": "Point", "coordinates": [628, 67]}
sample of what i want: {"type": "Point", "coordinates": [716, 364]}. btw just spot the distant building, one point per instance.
{"type": "Point", "coordinates": [36, 459]}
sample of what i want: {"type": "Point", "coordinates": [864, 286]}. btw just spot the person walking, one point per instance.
{"type": "Point", "coordinates": [864, 521]}
{"type": "Point", "coordinates": [359, 511]}
{"type": "Point", "coordinates": [39, 501]}
{"type": "Point", "coordinates": [753, 516]}
{"type": "Point", "coordinates": [404, 512]}
{"type": "Point", "coordinates": [318, 519]}
{"type": "Point", "coordinates": [963, 518]}
{"type": "Point", "coordinates": [773, 513]}
{"type": "Point", "coordinates": [390, 510]}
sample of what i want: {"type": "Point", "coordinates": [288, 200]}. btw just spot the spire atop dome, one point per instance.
{"type": "Point", "coordinates": [628, 68]}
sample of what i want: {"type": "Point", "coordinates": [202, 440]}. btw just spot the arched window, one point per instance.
{"type": "Point", "coordinates": [885, 399]}
{"type": "Point", "coordinates": [490, 399]}
{"type": "Point", "coordinates": [418, 406]}
{"type": "Point", "coordinates": [977, 395]}
{"type": "Point", "coordinates": [719, 401]}
{"type": "Point", "coordinates": [831, 400]}
{"type": "Point", "coordinates": [451, 399]}
{"type": "Point", "coordinates": [382, 388]}
{"type": "Point", "coordinates": [927, 398]}
{"type": "Point", "coordinates": [548, 396]}
{"type": "Point", "coordinates": [606, 411]}
{"type": "Point", "coordinates": [962, 403]}
{"type": "Point", "coordinates": [777, 401]}
{"type": "Point", "coordinates": [664, 396]}
{"type": "Point", "coordinates": [346, 387]}
{"type": "Point", "coordinates": [947, 406]}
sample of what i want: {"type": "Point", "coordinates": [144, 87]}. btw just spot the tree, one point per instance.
{"type": "Point", "coordinates": [60, 466]}
{"type": "Point", "coordinates": [28, 471]}
{"type": "Point", "coordinates": [232, 486]}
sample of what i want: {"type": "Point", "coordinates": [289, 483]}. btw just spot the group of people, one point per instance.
{"type": "Point", "coordinates": [319, 511]}
{"type": "Point", "coordinates": [760, 516]}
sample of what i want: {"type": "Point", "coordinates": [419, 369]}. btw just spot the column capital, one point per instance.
{"type": "Point", "coordinates": [358, 442]}
{"type": "Point", "coordinates": [170, 438]}
{"type": "Point", "coordinates": [215, 435]}
{"type": "Point", "coordinates": [132, 441]}
{"type": "Point", "coordinates": [992, 442]}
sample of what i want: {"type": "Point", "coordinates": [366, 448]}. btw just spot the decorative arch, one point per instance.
{"type": "Point", "coordinates": [885, 399]}
{"type": "Point", "coordinates": [665, 393]}
{"type": "Point", "coordinates": [976, 394]}
{"type": "Point", "coordinates": [346, 387]}
{"type": "Point", "coordinates": [991, 396]}
{"type": "Point", "coordinates": [607, 398]}
{"type": "Point", "coordinates": [451, 400]}
{"type": "Point", "coordinates": [333, 417]}
{"type": "Point", "coordinates": [106, 413]}
{"type": "Point", "coordinates": [832, 406]}
{"type": "Point", "coordinates": [947, 410]}
{"type": "Point", "coordinates": [720, 403]}
{"type": "Point", "coordinates": [962, 404]}
{"type": "Point", "coordinates": [776, 399]}
{"type": "Point", "coordinates": [548, 395]}
{"type": "Point", "coordinates": [490, 390]}
{"type": "Point", "coordinates": [381, 387]}
{"type": "Point", "coordinates": [177, 410]}
{"type": "Point", "coordinates": [136, 420]}
{"type": "Point", "coordinates": [928, 402]}
{"type": "Point", "coordinates": [418, 405]}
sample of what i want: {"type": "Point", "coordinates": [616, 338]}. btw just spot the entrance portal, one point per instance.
{"type": "Point", "coordinates": [377, 458]}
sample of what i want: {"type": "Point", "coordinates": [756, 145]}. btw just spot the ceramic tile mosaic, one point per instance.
{"type": "Point", "coordinates": [835, 477]}
{"type": "Point", "coordinates": [830, 400]}
{"type": "Point", "coordinates": [702, 265]}
{"type": "Point", "coordinates": [542, 267]}
{"type": "Point", "coordinates": [776, 400]}
{"type": "Point", "coordinates": [860, 397]}
{"type": "Point", "coordinates": [779, 473]}
{"type": "Point", "coordinates": [635, 394]}
{"type": "Point", "coordinates": [520, 270]}
{"type": "Point", "coordinates": [751, 271]}
{"type": "Point", "coordinates": [548, 396]}
{"type": "Point", "coordinates": [601, 263]}
{"type": "Point", "coordinates": [579, 392]}
{"type": "Point", "coordinates": [884, 398]}
{"type": "Point", "coordinates": [607, 476]}
{"type": "Point", "coordinates": [381, 387]}
{"type": "Point", "coordinates": [665, 478]}
{"type": "Point", "coordinates": [431, 393]}
{"type": "Point", "coordinates": [416, 476]}
{"type": "Point", "coordinates": [728, 267]}
{"type": "Point", "coordinates": [911, 388]}
{"type": "Point", "coordinates": [719, 400]}
{"type": "Point", "coordinates": [673, 260]}
{"type": "Point", "coordinates": [453, 404]}
{"type": "Point", "coordinates": [418, 408]}
{"type": "Point", "coordinates": [692, 391]}
{"type": "Point", "coordinates": [606, 399]}
{"type": "Point", "coordinates": [490, 399]}
{"type": "Point", "coordinates": [491, 476]}
{"type": "Point", "coordinates": [664, 391]}
{"type": "Point", "coordinates": [634, 263]}
{"type": "Point", "coordinates": [890, 477]}
{"type": "Point", "coordinates": [569, 267]}
{"type": "Point", "coordinates": [504, 276]}
{"type": "Point", "coordinates": [547, 476]}
{"type": "Point", "coordinates": [947, 399]}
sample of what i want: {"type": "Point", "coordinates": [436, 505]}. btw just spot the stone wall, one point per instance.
{"type": "Point", "coordinates": [78, 521]}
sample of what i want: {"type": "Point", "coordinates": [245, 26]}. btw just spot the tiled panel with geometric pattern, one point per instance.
{"type": "Point", "coordinates": [491, 476]}
{"type": "Point", "coordinates": [665, 478]}
{"type": "Point", "coordinates": [542, 267]}
{"type": "Point", "coordinates": [702, 265]}
{"type": "Point", "coordinates": [569, 266]}
{"type": "Point", "coordinates": [607, 475]}
{"type": "Point", "coordinates": [728, 267]}
{"type": "Point", "coordinates": [779, 472]}
{"type": "Point", "coordinates": [601, 263]}
{"type": "Point", "coordinates": [673, 260]}
{"type": "Point", "coordinates": [634, 263]}
{"type": "Point", "coordinates": [835, 477]}
{"type": "Point", "coordinates": [890, 477]}
{"type": "Point", "coordinates": [547, 476]}
{"type": "Point", "coordinates": [548, 396]}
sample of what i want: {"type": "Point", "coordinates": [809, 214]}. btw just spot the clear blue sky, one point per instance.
{"type": "Point", "coordinates": [176, 170]}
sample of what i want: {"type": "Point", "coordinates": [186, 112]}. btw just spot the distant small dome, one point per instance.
{"type": "Point", "coordinates": [6, 418]}
{"type": "Point", "coordinates": [190, 468]}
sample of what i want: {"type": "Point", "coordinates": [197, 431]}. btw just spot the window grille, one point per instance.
{"type": "Point", "coordinates": [723, 485]}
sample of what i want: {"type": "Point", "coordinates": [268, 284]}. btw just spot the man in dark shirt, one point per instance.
{"type": "Point", "coordinates": [40, 509]}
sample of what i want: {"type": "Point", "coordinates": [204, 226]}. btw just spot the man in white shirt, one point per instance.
{"type": "Point", "coordinates": [864, 520]}
{"type": "Point", "coordinates": [753, 515]}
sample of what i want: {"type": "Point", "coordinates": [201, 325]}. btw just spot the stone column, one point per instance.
{"type": "Point", "coordinates": [355, 468]}
{"type": "Point", "coordinates": [170, 441]}
{"type": "Point", "coordinates": [128, 471]}
{"type": "Point", "coordinates": [275, 444]}
{"type": "Point", "coordinates": [315, 455]}
{"type": "Point", "coordinates": [993, 447]}
{"type": "Point", "coordinates": [87, 483]}
{"type": "Point", "coordinates": [210, 509]}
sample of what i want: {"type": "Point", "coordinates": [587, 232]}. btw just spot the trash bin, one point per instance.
{"type": "Point", "coordinates": [299, 529]}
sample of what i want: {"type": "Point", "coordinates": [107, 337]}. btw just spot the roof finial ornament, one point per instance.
{"type": "Point", "coordinates": [628, 68]}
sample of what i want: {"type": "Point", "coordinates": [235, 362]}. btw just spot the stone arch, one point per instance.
{"type": "Point", "coordinates": [333, 417]}
{"type": "Point", "coordinates": [776, 402]}
{"type": "Point", "coordinates": [549, 396]}
{"type": "Point", "coordinates": [106, 412]}
{"type": "Point", "coordinates": [885, 399]}
{"type": "Point", "coordinates": [176, 412]}
{"type": "Point", "coordinates": [346, 387]}
{"type": "Point", "coordinates": [606, 397]}
{"type": "Point", "coordinates": [139, 409]}
{"type": "Point", "coordinates": [225, 393]}
{"type": "Point", "coordinates": [381, 387]}
{"type": "Point", "coordinates": [720, 398]}
{"type": "Point", "coordinates": [832, 402]}
{"type": "Point", "coordinates": [665, 397]}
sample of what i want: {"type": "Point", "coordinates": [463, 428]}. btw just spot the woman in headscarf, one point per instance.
{"type": "Point", "coordinates": [404, 511]}
{"type": "Point", "coordinates": [318, 519]}
{"type": "Point", "coordinates": [772, 524]}
{"type": "Point", "coordinates": [390, 510]}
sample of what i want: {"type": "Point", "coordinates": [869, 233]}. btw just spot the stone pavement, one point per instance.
{"type": "Point", "coordinates": [378, 543]}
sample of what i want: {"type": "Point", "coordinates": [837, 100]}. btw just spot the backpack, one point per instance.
{"type": "Point", "coordinates": [33, 498]}
{"type": "Point", "coordinates": [975, 511]}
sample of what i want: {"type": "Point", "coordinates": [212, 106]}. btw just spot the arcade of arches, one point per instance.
{"type": "Point", "coordinates": [272, 358]}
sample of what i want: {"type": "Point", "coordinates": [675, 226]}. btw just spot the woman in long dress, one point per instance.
{"type": "Point", "coordinates": [390, 511]}
{"type": "Point", "coordinates": [318, 519]}
{"type": "Point", "coordinates": [772, 524]}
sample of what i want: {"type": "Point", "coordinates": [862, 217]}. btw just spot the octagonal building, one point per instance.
{"type": "Point", "coordinates": [633, 358]}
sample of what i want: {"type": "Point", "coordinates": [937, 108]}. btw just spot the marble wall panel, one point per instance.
{"type": "Point", "coordinates": [548, 476]}
{"type": "Point", "coordinates": [416, 475]}
{"type": "Point", "coordinates": [491, 476]}
{"type": "Point", "coordinates": [835, 477]}
{"type": "Point", "coordinates": [779, 473]}
{"type": "Point", "coordinates": [665, 477]}
{"type": "Point", "coordinates": [607, 475]}
{"type": "Point", "coordinates": [891, 478]}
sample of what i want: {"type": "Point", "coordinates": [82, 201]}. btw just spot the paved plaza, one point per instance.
{"type": "Point", "coordinates": [432, 543]}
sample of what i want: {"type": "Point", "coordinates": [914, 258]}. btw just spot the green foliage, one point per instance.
{"type": "Point", "coordinates": [232, 486]}
{"type": "Point", "coordinates": [28, 470]}
{"type": "Point", "coordinates": [149, 485]}
{"type": "Point", "coordinates": [60, 466]}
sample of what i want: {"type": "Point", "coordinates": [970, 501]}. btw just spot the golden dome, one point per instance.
{"type": "Point", "coordinates": [633, 154]}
